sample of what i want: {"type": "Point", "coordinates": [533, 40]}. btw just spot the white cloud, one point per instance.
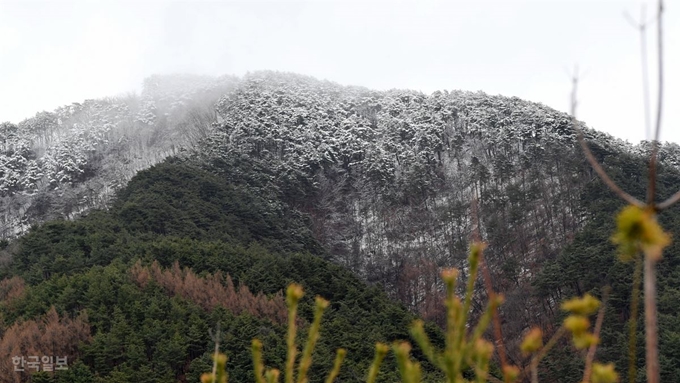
{"type": "Point", "coordinates": [9, 39]}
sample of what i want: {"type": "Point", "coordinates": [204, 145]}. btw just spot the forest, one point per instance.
{"type": "Point", "coordinates": [132, 226]}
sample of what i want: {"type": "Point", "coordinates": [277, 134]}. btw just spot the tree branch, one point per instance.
{"type": "Point", "coordinates": [651, 328]}
{"type": "Point", "coordinates": [491, 294]}
{"type": "Point", "coordinates": [669, 202]}
{"type": "Point", "coordinates": [591, 158]}
{"type": "Point", "coordinates": [598, 327]}
{"type": "Point", "coordinates": [651, 190]}
{"type": "Point", "coordinates": [533, 366]}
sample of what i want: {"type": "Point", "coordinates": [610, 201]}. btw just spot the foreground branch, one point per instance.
{"type": "Point", "coordinates": [591, 158]}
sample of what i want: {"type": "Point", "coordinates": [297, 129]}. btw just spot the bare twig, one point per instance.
{"type": "Point", "coordinates": [489, 377]}
{"type": "Point", "coordinates": [533, 366]}
{"type": "Point", "coordinates": [655, 143]}
{"type": "Point", "coordinates": [642, 27]}
{"type": "Point", "coordinates": [651, 329]}
{"type": "Point", "coordinates": [675, 197]}
{"type": "Point", "coordinates": [632, 332]}
{"type": "Point", "coordinates": [591, 158]}
{"type": "Point", "coordinates": [497, 330]}
{"type": "Point", "coordinates": [598, 327]}
{"type": "Point", "coordinates": [669, 202]}
{"type": "Point", "coordinates": [659, 101]}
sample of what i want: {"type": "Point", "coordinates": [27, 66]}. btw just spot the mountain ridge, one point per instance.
{"type": "Point", "coordinates": [383, 181]}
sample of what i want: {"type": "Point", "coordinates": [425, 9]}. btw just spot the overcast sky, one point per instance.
{"type": "Point", "coordinates": [55, 53]}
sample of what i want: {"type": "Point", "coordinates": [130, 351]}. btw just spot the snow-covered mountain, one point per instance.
{"type": "Point", "coordinates": [386, 178]}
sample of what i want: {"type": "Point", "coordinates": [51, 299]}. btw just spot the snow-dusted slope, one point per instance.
{"type": "Point", "coordinates": [61, 163]}
{"type": "Point", "coordinates": [386, 178]}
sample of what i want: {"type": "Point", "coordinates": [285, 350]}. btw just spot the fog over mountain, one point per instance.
{"type": "Point", "coordinates": [52, 54]}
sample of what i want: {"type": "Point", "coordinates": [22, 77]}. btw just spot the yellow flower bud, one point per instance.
{"type": "Point", "coordinates": [221, 359]}
{"type": "Point", "coordinates": [483, 349]}
{"type": "Point", "coordinates": [382, 348]}
{"type": "Point", "coordinates": [322, 303]}
{"type": "Point", "coordinates": [604, 373]}
{"type": "Point", "coordinates": [585, 340]}
{"type": "Point", "coordinates": [511, 373]}
{"type": "Point", "coordinates": [637, 229]}
{"type": "Point", "coordinates": [402, 348]}
{"type": "Point", "coordinates": [476, 249]}
{"type": "Point", "coordinates": [272, 376]}
{"type": "Point", "coordinates": [533, 341]}
{"type": "Point", "coordinates": [582, 306]}
{"type": "Point", "coordinates": [294, 293]}
{"type": "Point", "coordinates": [449, 275]}
{"type": "Point", "coordinates": [577, 324]}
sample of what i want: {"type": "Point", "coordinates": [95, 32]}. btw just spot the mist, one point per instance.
{"type": "Point", "coordinates": [53, 54]}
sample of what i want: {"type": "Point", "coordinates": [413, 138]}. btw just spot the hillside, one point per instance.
{"type": "Point", "coordinates": [180, 251]}
{"type": "Point", "coordinates": [378, 183]}
{"type": "Point", "coordinates": [388, 178]}
{"type": "Point", "coordinates": [62, 163]}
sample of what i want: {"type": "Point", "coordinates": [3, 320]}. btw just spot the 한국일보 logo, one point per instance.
{"type": "Point", "coordinates": [40, 363]}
